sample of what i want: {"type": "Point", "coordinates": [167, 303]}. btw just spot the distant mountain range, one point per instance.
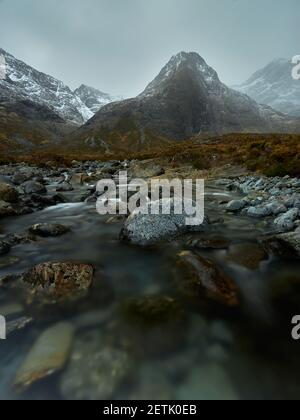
{"type": "Point", "coordinates": [24, 82]}
{"type": "Point", "coordinates": [274, 86]}
{"type": "Point", "coordinates": [186, 99]}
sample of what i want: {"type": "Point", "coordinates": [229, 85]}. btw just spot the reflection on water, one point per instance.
{"type": "Point", "coordinates": [135, 335]}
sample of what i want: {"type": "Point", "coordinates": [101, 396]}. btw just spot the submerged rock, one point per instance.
{"type": "Point", "coordinates": [59, 282]}
{"type": "Point", "coordinates": [202, 279]}
{"type": "Point", "coordinates": [214, 243]}
{"type": "Point", "coordinates": [95, 371]}
{"type": "Point", "coordinates": [208, 382]}
{"type": "Point", "coordinates": [18, 324]}
{"type": "Point", "coordinates": [154, 310]}
{"type": "Point", "coordinates": [284, 245]}
{"type": "Point", "coordinates": [248, 255]}
{"type": "Point", "coordinates": [148, 229]}
{"type": "Point", "coordinates": [48, 355]}
{"type": "Point", "coordinates": [153, 385]}
{"type": "Point", "coordinates": [45, 229]}
{"type": "Point", "coordinates": [8, 193]}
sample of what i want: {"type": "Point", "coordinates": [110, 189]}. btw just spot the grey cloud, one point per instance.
{"type": "Point", "coordinates": [119, 45]}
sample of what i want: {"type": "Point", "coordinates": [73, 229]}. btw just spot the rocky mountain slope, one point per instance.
{"type": "Point", "coordinates": [27, 83]}
{"type": "Point", "coordinates": [93, 98]}
{"type": "Point", "coordinates": [26, 125]}
{"type": "Point", "coordinates": [187, 98]}
{"type": "Point", "coordinates": [274, 86]}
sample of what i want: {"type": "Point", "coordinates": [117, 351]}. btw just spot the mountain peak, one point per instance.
{"type": "Point", "coordinates": [188, 61]}
{"type": "Point", "coordinates": [93, 98]}
{"type": "Point", "coordinates": [274, 86]}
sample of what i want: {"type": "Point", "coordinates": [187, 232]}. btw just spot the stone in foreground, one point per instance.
{"type": "Point", "coordinates": [59, 282]}
{"type": "Point", "coordinates": [48, 355]}
{"type": "Point", "coordinates": [95, 370]}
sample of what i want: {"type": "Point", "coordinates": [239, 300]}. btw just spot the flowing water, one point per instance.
{"type": "Point", "coordinates": [213, 353]}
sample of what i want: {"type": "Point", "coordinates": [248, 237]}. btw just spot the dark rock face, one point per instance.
{"type": "Point", "coordinates": [185, 99]}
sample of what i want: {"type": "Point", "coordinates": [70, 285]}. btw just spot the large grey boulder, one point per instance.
{"type": "Point", "coordinates": [148, 229]}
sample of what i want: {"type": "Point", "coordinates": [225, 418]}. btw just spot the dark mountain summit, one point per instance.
{"type": "Point", "coordinates": [186, 98]}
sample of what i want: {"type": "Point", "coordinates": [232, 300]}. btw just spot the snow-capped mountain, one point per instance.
{"type": "Point", "coordinates": [93, 98]}
{"type": "Point", "coordinates": [24, 82]}
{"type": "Point", "coordinates": [185, 99]}
{"type": "Point", "coordinates": [274, 86]}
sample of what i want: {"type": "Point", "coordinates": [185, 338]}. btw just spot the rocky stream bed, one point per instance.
{"type": "Point", "coordinates": [102, 307]}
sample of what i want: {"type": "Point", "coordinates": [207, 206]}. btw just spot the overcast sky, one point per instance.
{"type": "Point", "coordinates": [118, 46]}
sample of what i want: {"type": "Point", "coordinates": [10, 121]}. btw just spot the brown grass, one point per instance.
{"type": "Point", "coordinates": [271, 154]}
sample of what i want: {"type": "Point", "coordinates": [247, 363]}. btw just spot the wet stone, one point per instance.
{"type": "Point", "coordinates": [58, 282]}
{"type": "Point", "coordinates": [48, 355]}
{"type": "Point", "coordinates": [249, 255]}
{"type": "Point", "coordinates": [47, 229]}
{"type": "Point", "coordinates": [202, 279]}
{"type": "Point", "coordinates": [95, 370]}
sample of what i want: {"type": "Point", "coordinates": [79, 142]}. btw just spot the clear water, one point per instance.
{"type": "Point", "coordinates": [247, 353]}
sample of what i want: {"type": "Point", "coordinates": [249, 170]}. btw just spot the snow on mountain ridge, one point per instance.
{"type": "Point", "coordinates": [274, 86]}
{"type": "Point", "coordinates": [93, 98]}
{"type": "Point", "coordinates": [28, 83]}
